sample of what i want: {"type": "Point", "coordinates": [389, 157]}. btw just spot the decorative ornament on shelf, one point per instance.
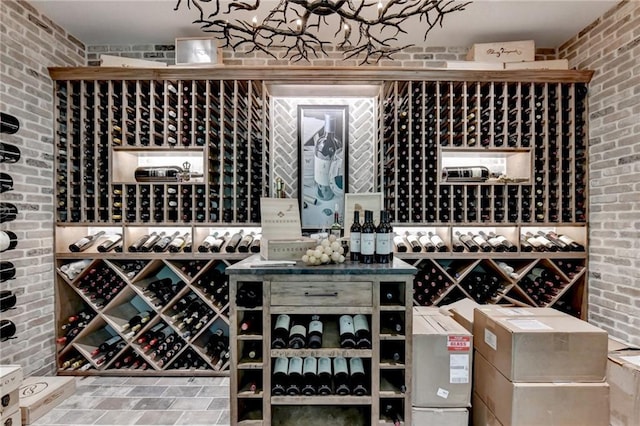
{"type": "Point", "coordinates": [359, 28]}
{"type": "Point", "coordinates": [329, 251]}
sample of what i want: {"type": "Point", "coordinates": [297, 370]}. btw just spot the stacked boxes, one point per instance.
{"type": "Point", "coordinates": [536, 366]}
{"type": "Point", "coordinates": [442, 361]}
{"type": "Point", "coordinates": [10, 381]}
{"type": "Point", "coordinates": [39, 395]}
{"type": "Point", "coordinates": [623, 375]}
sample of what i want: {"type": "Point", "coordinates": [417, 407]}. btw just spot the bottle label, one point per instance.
{"type": "Point", "coordinates": [310, 365]}
{"type": "Point", "coordinates": [281, 365]}
{"type": "Point", "coordinates": [368, 244]}
{"type": "Point", "coordinates": [283, 321]}
{"type": "Point", "coordinates": [295, 365]}
{"type": "Point", "coordinates": [354, 242]}
{"type": "Point", "coordinates": [340, 365]}
{"type": "Point", "coordinates": [360, 323]}
{"type": "Point", "coordinates": [383, 243]}
{"type": "Point", "coordinates": [324, 365]}
{"type": "Point", "coordinates": [356, 365]}
{"type": "Point", "coordinates": [321, 171]}
{"type": "Point", "coordinates": [346, 325]}
{"type": "Point", "coordinates": [315, 327]}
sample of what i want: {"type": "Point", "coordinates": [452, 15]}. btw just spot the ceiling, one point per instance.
{"type": "Point", "coordinates": [549, 23]}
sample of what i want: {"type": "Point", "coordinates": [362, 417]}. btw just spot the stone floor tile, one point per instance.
{"type": "Point", "coordinates": [80, 402]}
{"type": "Point", "coordinates": [107, 390]}
{"type": "Point", "coordinates": [190, 404]}
{"type": "Point", "coordinates": [209, 381]}
{"type": "Point", "coordinates": [159, 417]}
{"type": "Point", "coordinates": [199, 418]}
{"type": "Point", "coordinates": [82, 417]}
{"type": "Point", "coordinates": [225, 418]}
{"type": "Point", "coordinates": [148, 381]}
{"type": "Point", "coordinates": [219, 404]}
{"type": "Point", "coordinates": [214, 391]}
{"type": "Point", "coordinates": [176, 381]}
{"type": "Point", "coordinates": [86, 389]}
{"type": "Point", "coordinates": [182, 391]}
{"type": "Point", "coordinates": [116, 417]}
{"type": "Point", "coordinates": [115, 403]}
{"type": "Point", "coordinates": [153, 404]}
{"type": "Point", "coordinates": [50, 417]}
{"type": "Point", "coordinates": [147, 391]}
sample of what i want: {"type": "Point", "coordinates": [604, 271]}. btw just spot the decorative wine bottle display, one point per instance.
{"type": "Point", "coordinates": [325, 151]}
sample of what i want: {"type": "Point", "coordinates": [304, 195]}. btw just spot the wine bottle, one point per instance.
{"type": "Point", "coordinates": [137, 320]}
{"type": "Point", "coordinates": [341, 376]}
{"type": "Point", "coordinates": [207, 243]}
{"type": "Point", "coordinates": [8, 212]}
{"type": "Point", "coordinates": [358, 379]}
{"type": "Point", "coordinates": [8, 123]}
{"type": "Point", "coordinates": [391, 413]}
{"type": "Point", "coordinates": [7, 330]}
{"type": "Point", "coordinates": [354, 237]}
{"type": "Point", "coordinates": [347, 332]}
{"type": "Point", "coordinates": [384, 238]}
{"type": "Point", "coordinates": [85, 242]}
{"type": "Point", "coordinates": [7, 300]}
{"type": "Point", "coordinates": [151, 241]}
{"type": "Point", "coordinates": [245, 243]}
{"type": "Point", "coordinates": [324, 154]}
{"type": "Point", "coordinates": [550, 236]}
{"type": "Point", "coordinates": [399, 243]}
{"type": "Point", "coordinates": [179, 242]}
{"type": "Point", "coordinates": [248, 297]}
{"type": "Point", "coordinates": [6, 182]}
{"type": "Point", "coordinates": [107, 345]}
{"type": "Point", "coordinates": [324, 376]}
{"type": "Point", "coordinates": [7, 271]}
{"type": "Point", "coordinates": [279, 378]}
{"type": "Point", "coordinates": [137, 244]}
{"type": "Point", "coordinates": [310, 376]}
{"type": "Point", "coordinates": [336, 228]}
{"type": "Point", "coordinates": [255, 244]}
{"type": "Point", "coordinates": [233, 242]}
{"type": "Point", "coordinates": [294, 376]}
{"type": "Point", "coordinates": [368, 239]}
{"type": "Point", "coordinates": [425, 241]}
{"type": "Point", "coordinates": [252, 350]}
{"type": "Point", "coordinates": [437, 242]}
{"type": "Point", "coordinates": [413, 241]}
{"type": "Point", "coordinates": [468, 242]}
{"type": "Point", "coordinates": [281, 332]}
{"type": "Point", "coordinates": [315, 332]}
{"type": "Point", "coordinates": [250, 323]}
{"type": "Point", "coordinates": [392, 322]}
{"type": "Point", "coordinates": [9, 153]}
{"type": "Point", "coordinates": [110, 243]}
{"type": "Point", "coordinates": [362, 332]}
{"type": "Point", "coordinates": [151, 333]}
{"type": "Point", "coordinates": [480, 241]}
{"type": "Point", "coordinates": [218, 242]}
{"type": "Point", "coordinates": [163, 243]}
{"type": "Point", "coordinates": [573, 245]}
{"type": "Point", "coordinates": [298, 336]}
{"type": "Point", "coordinates": [465, 174]}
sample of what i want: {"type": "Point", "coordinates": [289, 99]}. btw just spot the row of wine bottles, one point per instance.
{"type": "Point", "coordinates": [319, 376]}
{"type": "Point", "coordinates": [303, 332]}
{"type": "Point", "coordinates": [176, 242]}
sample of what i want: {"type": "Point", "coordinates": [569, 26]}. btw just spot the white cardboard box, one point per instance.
{"type": "Point", "coordinates": [506, 51]}
{"type": "Point", "coordinates": [12, 419]}
{"type": "Point", "coordinates": [121, 61]}
{"type": "Point", "coordinates": [440, 416]}
{"type": "Point", "coordinates": [623, 375]}
{"type": "Point", "coordinates": [555, 64]}
{"type": "Point", "coordinates": [281, 231]}
{"type": "Point", "coordinates": [10, 378]}
{"type": "Point", "coordinates": [442, 353]}
{"type": "Point", "coordinates": [39, 395]}
{"type": "Point", "coordinates": [473, 65]}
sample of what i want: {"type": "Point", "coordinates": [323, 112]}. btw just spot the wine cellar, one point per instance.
{"type": "Point", "coordinates": [117, 134]}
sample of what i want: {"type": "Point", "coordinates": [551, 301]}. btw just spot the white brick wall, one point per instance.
{"type": "Point", "coordinates": [610, 46]}
{"type": "Point", "coordinates": [30, 42]}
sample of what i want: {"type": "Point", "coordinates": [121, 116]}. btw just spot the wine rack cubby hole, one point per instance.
{"type": "Point", "coordinates": [529, 128]}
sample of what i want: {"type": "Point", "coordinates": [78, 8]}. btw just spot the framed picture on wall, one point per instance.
{"type": "Point", "coordinates": [323, 142]}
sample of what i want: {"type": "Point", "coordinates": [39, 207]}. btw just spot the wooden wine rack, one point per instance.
{"type": "Point", "coordinates": [108, 121]}
{"type": "Point", "coordinates": [329, 291]}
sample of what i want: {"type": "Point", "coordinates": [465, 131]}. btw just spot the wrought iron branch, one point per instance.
{"type": "Point", "coordinates": [366, 29]}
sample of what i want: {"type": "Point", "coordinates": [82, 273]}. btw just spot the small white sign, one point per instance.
{"type": "Point", "coordinates": [491, 339]}
{"type": "Point", "coordinates": [442, 393]}
{"type": "Point", "coordinates": [458, 368]}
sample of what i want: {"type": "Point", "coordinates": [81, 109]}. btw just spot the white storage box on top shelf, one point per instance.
{"type": "Point", "coordinates": [506, 51]}
{"type": "Point", "coordinates": [281, 231]}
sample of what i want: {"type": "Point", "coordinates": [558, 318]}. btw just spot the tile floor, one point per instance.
{"type": "Point", "coordinates": [143, 401]}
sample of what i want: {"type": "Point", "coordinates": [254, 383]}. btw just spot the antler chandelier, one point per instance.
{"type": "Point", "coordinates": [359, 27]}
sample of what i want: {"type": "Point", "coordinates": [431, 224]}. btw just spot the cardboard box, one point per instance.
{"type": "Point", "coordinates": [39, 395]}
{"type": "Point", "coordinates": [481, 414]}
{"type": "Point", "coordinates": [442, 354]}
{"type": "Point", "coordinates": [623, 376]}
{"type": "Point", "coordinates": [507, 51]}
{"type": "Point", "coordinates": [615, 344]}
{"type": "Point", "coordinates": [554, 64]}
{"type": "Point", "coordinates": [12, 419]}
{"type": "Point", "coordinates": [440, 416]}
{"type": "Point", "coordinates": [541, 347]}
{"type": "Point", "coordinates": [462, 312]}
{"type": "Point", "coordinates": [10, 378]}
{"type": "Point", "coordinates": [281, 232]}
{"type": "Point", "coordinates": [10, 403]}
{"type": "Point", "coordinates": [536, 404]}
{"type": "Point", "coordinates": [121, 61]}
{"type": "Point", "coordinates": [197, 51]}
{"type": "Point", "coordinates": [473, 65]}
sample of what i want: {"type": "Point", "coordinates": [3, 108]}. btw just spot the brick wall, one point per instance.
{"type": "Point", "coordinates": [411, 57]}
{"type": "Point", "coordinates": [611, 46]}
{"type": "Point", "coordinates": [30, 43]}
